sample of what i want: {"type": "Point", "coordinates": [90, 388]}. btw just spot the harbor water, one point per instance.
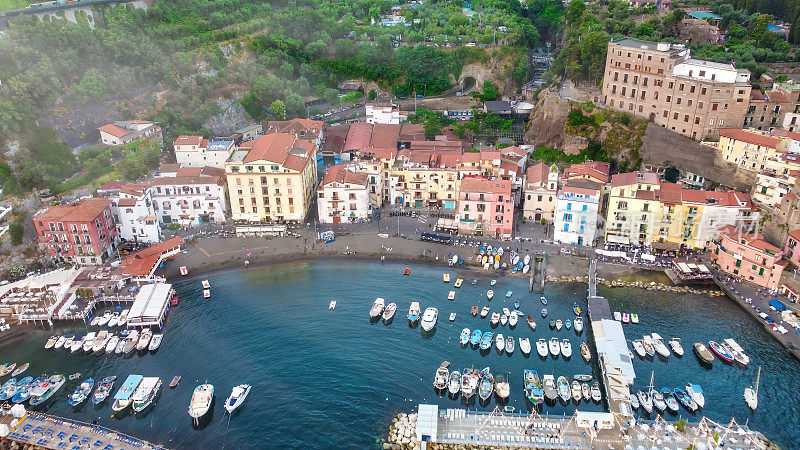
{"type": "Point", "coordinates": [334, 379]}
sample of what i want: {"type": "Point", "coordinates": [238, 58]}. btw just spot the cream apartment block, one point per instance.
{"type": "Point", "coordinates": [272, 179]}
{"type": "Point", "coordinates": [661, 82]}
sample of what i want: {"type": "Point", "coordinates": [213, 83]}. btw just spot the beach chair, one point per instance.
{"type": "Point", "coordinates": [61, 435]}
{"type": "Point", "coordinates": [85, 440]}
{"type": "Point", "coordinates": [98, 443]}
{"type": "Point", "coordinates": [76, 447]}
{"type": "Point", "coordinates": [26, 427]}
{"type": "Point", "coordinates": [41, 441]}
{"type": "Point", "coordinates": [73, 437]}
{"type": "Point", "coordinates": [48, 432]}
{"type": "Point", "coordinates": [62, 445]}
{"type": "Point", "coordinates": [108, 447]}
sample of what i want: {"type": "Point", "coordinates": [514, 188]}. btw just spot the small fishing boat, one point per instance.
{"type": "Point", "coordinates": [45, 390]}
{"type": "Point", "coordinates": [658, 399]}
{"type": "Point", "coordinates": [585, 353]}
{"type": "Point", "coordinates": [176, 380]}
{"type": "Point", "coordinates": [751, 392]}
{"type": "Point", "coordinates": [675, 344]}
{"type": "Point", "coordinates": [388, 313]}
{"type": "Point", "coordinates": [7, 368]}
{"type": "Point", "coordinates": [474, 310]}
{"type": "Point", "coordinates": [454, 383]}
{"type": "Point", "coordinates": [24, 389]}
{"type": "Point", "coordinates": [549, 387]}
{"type": "Point", "coordinates": [495, 319]}
{"type": "Point", "coordinates": [485, 312]}
{"type": "Point", "coordinates": [586, 392]}
{"type": "Point", "coordinates": [486, 340]}
{"type": "Point", "coordinates": [377, 308]}
{"type": "Point", "coordinates": [503, 319]}
{"type": "Point", "coordinates": [659, 345]}
{"type": "Point", "coordinates": [77, 342]}
{"type": "Point", "coordinates": [474, 281]}
{"type": "Point", "coordinates": [490, 294]}
{"type": "Point", "coordinates": [512, 319]}
{"type": "Point", "coordinates": [566, 348]}
{"type": "Point", "coordinates": [492, 283]}
{"type": "Point", "coordinates": [626, 318]}
{"type": "Point", "coordinates": [205, 284]}
{"type": "Point", "coordinates": [669, 399]}
{"type": "Point", "coordinates": [442, 376]}
{"type": "Point", "coordinates": [469, 382]}
{"type": "Point", "coordinates": [582, 377]}
{"type": "Point", "coordinates": [122, 399]}
{"type": "Point", "coordinates": [578, 324]}
{"type": "Point", "coordinates": [638, 347]}
{"type": "Point", "coordinates": [509, 294]}
{"type": "Point", "coordinates": [634, 318]}
{"type": "Point", "coordinates": [576, 309]}
{"type": "Point", "coordinates": [235, 400]}
{"type": "Point", "coordinates": [103, 390]}
{"type": "Point", "coordinates": [464, 338]}
{"type": "Point", "coordinates": [555, 347]}
{"type": "Point", "coordinates": [647, 343]}
{"type": "Point", "coordinates": [525, 346]}
{"type": "Point", "coordinates": [516, 304]}
{"type": "Point", "coordinates": [501, 386]}
{"type": "Point", "coordinates": [534, 391]}
{"type": "Point", "coordinates": [332, 305]}
{"type": "Point", "coordinates": [486, 386]}
{"type": "Point", "coordinates": [543, 299]}
{"type": "Point", "coordinates": [429, 319]}
{"type": "Point", "coordinates": [202, 398]}
{"type": "Point", "coordinates": [82, 392]}
{"type": "Point", "coordinates": [446, 277]}
{"type": "Point", "coordinates": [103, 321]}
{"type": "Point", "coordinates": [544, 312]}
{"type": "Point", "coordinates": [51, 342]}
{"type": "Point", "coordinates": [687, 401]}
{"type": "Point", "coordinates": [20, 369]}
{"type": "Point", "coordinates": [510, 345]}
{"type": "Point", "coordinates": [458, 283]}
{"type": "Point", "coordinates": [617, 316]}
{"type": "Point", "coordinates": [500, 342]}
{"type": "Point", "coordinates": [66, 344]}
{"type": "Point", "coordinates": [473, 338]}
{"type": "Point", "coordinates": [451, 295]}
{"type": "Point", "coordinates": [144, 339]}
{"type": "Point", "coordinates": [206, 293]}
{"type": "Point", "coordinates": [541, 348]}
{"type": "Point", "coordinates": [452, 317]}
{"type": "Point", "coordinates": [720, 351]}
{"type": "Point", "coordinates": [413, 313]}
{"type": "Point", "coordinates": [9, 388]}
{"type": "Point", "coordinates": [74, 376]}
{"type": "Point", "coordinates": [696, 392]}
{"type": "Point", "coordinates": [155, 342]}
{"type": "Point", "coordinates": [563, 388]}
{"type": "Point", "coordinates": [597, 395]}
{"type": "Point", "coordinates": [645, 400]}
{"type": "Point", "coordinates": [559, 324]}
{"type": "Point", "coordinates": [702, 352]}
{"type": "Point", "coordinates": [531, 322]}
{"type": "Point", "coordinates": [568, 324]}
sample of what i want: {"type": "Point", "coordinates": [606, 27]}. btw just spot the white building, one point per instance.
{"type": "Point", "coordinates": [384, 113]}
{"type": "Point", "coordinates": [541, 189]}
{"type": "Point", "coordinates": [194, 151]}
{"type": "Point", "coordinates": [134, 216]}
{"type": "Point", "coordinates": [343, 196]}
{"type": "Point", "coordinates": [577, 205]}
{"type": "Point", "coordinates": [191, 197]}
{"type": "Point", "coordinates": [126, 131]}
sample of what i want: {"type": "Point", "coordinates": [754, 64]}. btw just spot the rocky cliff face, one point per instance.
{"type": "Point", "coordinates": [547, 121]}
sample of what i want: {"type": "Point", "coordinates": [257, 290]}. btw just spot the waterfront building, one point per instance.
{"type": "Point", "coordinates": [140, 267]}
{"type": "Point", "coordinates": [661, 82]}
{"type": "Point", "coordinates": [749, 257]}
{"type": "Point", "coordinates": [82, 233]}
{"type": "Point", "coordinates": [126, 131]}
{"type": "Point", "coordinates": [576, 210]}
{"type": "Point", "coordinates": [631, 207]}
{"type": "Point", "coordinates": [485, 207]}
{"type": "Point", "coordinates": [791, 249]}
{"type": "Point", "coordinates": [541, 188]}
{"type": "Point", "coordinates": [343, 196]}
{"type": "Point", "coordinates": [190, 196]}
{"type": "Point", "coordinates": [195, 151]}
{"type": "Point", "coordinates": [133, 210]}
{"type": "Point", "coordinates": [272, 179]}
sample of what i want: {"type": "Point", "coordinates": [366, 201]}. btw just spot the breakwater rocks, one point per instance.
{"type": "Point", "coordinates": [652, 285]}
{"type": "Point", "coordinates": [403, 432]}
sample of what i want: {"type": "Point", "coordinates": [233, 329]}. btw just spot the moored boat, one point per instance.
{"type": "Point", "coordinates": [474, 310]}
{"type": "Point", "coordinates": [176, 380]}
{"type": "Point", "coordinates": [510, 345]}
{"type": "Point", "coordinates": [486, 340]}
{"type": "Point", "coordinates": [200, 404]}
{"type": "Point", "coordinates": [534, 391]}
{"type": "Point", "coordinates": [751, 392]}
{"type": "Point", "coordinates": [555, 347]}
{"type": "Point", "coordinates": [638, 347]}
{"type": "Point", "coordinates": [451, 295]}
{"type": "Point", "coordinates": [563, 388]}
{"type": "Point", "coordinates": [512, 319]}
{"type": "Point", "coordinates": [122, 399]}
{"type": "Point", "coordinates": [446, 277]}
{"type": "Point", "coordinates": [531, 322]}
{"type": "Point", "coordinates": [500, 342]}
{"type": "Point", "coordinates": [617, 316]}
{"type": "Point", "coordinates": [464, 338]}
{"type": "Point", "coordinates": [647, 344]}
{"type": "Point", "coordinates": [578, 325]}
{"type": "Point", "coordinates": [388, 313]}
{"type": "Point", "coordinates": [454, 383]}
{"type": "Point", "coordinates": [114, 321]}
{"type": "Point", "coordinates": [582, 377]}
{"type": "Point", "coordinates": [51, 341]}
{"type": "Point", "coordinates": [82, 392]}
{"type": "Point", "coordinates": [675, 344]}
{"type": "Point", "coordinates": [88, 341]}
{"type": "Point", "coordinates": [490, 294]}
{"type": "Point", "coordinates": [100, 341]}
{"type": "Point", "coordinates": [702, 352]}
{"type": "Point", "coordinates": [576, 309]}
{"type": "Point", "coordinates": [60, 342]}
{"type": "Point", "coordinates": [586, 392]}
{"type": "Point", "coordinates": [585, 353]}
{"type": "Point", "coordinates": [469, 382]}
{"type": "Point", "coordinates": [543, 299]}
{"type": "Point", "coordinates": [645, 400]}
{"type": "Point", "coordinates": [544, 312]}
{"type": "Point", "coordinates": [559, 324]}
{"type": "Point", "coordinates": [736, 351]}
{"type": "Point", "coordinates": [8, 389]}
{"type": "Point", "coordinates": [549, 387]}
{"type": "Point", "coordinates": [155, 342]}
{"type": "Point", "coordinates": [568, 324]}
{"type": "Point", "coordinates": [721, 352]}
{"type": "Point", "coordinates": [123, 316]}
{"type": "Point", "coordinates": [442, 376]}
{"type": "Point", "coordinates": [495, 319]}
{"type": "Point", "coordinates": [19, 370]}
{"type": "Point", "coordinates": [112, 344]}
{"type": "Point", "coordinates": [67, 344]}
{"type": "Point", "coordinates": [597, 395]}
{"type": "Point", "coordinates": [485, 312]}
{"type": "Point", "coordinates": [77, 342]}
{"type": "Point", "coordinates": [566, 348]}
{"type": "Point", "coordinates": [503, 319]}
{"type": "Point", "coordinates": [501, 386]}
{"type": "Point", "coordinates": [45, 390]}
{"type": "Point", "coordinates": [525, 346]}
{"type": "Point", "coordinates": [541, 348]}
{"type": "Point", "coordinates": [429, 318]}
{"type": "Point", "coordinates": [458, 283]}
{"type": "Point", "coordinates": [103, 390]}
{"type": "Point", "coordinates": [669, 399]}
{"type": "Point", "coordinates": [130, 342]}
{"type": "Point", "coordinates": [475, 338]}
{"type": "Point", "coordinates": [658, 344]}
{"type": "Point", "coordinates": [696, 392]}
{"type": "Point", "coordinates": [686, 400]}
{"type": "Point", "coordinates": [144, 339]}
{"type": "Point", "coordinates": [237, 397]}
{"type": "Point", "coordinates": [486, 385]}
{"type": "Point", "coordinates": [413, 313]}
{"type": "Point", "coordinates": [377, 308]}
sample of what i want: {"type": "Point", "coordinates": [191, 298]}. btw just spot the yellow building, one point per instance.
{"type": "Point", "coordinates": [632, 207]}
{"type": "Point", "coordinates": [272, 179]}
{"type": "Point", "coordinates": [749, 149]}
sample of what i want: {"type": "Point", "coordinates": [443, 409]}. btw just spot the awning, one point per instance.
{"type": "Point", "coordinates": [647, 257]}
{"type": "Point", "coordinates": [665, 245]}
{"type": "Point", "coordinates": [777, 305]}
{"type": "Point", "coordinates": [618, 239]}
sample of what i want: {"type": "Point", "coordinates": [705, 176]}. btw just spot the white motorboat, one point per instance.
{"type": "Point", "coordinates": [500, 342]}
{"type": "Point", "coordinates": [578, 324]}
{"type": "Point", "coordinates": [51, 342]}
{"type": "Point", "coordinates": [490, 294]}
{"type": "Point", "coordinates": [696, 392]}
{"type": "Point", "coordinates": [658, 344]}
{"type": "Point", "coordinates": [566, 348]}
{"type": "Point", "coordinates": [100, 341]}
{"type": "Point", "coordinates": [510, 345]}
{"type": "Point", "coordinates": [377, 308]}
{"type": "Point", "coordinates": [121, 343]}
{"type": "Point", "coordinates": [585, 352]}
{"type": "Point", "coordinates": [130, 342]}
{"type": "Point", "coordinates": [235, 400]}
{"type": "Point", "coordinates": [541, 348]}
{"type": "Point", "coordinates": [555, 347]}
{"type": "Point", "coordinates": [495, 318]}
{"type": "Point", "coordinates": [145, 393]}
{"type": "Point", "coordinates": [202, 398]}
{"type": "Point", "coordinates": [527, 260]}
{"type": "Point", "coordinates": [123, 318]}
{"type": "Point", "coordinates": [112, 344]}
{"type": "Point", "coordinates": [452, 317]}
{"type": "Point", "coordinates": [88, 341]}
{"type": "Point", "coordinates": [503, 319]}
{"type": "Point", "coordinates": [559, 324]}
{"type": "Point", "coordinates": [155, 342]}
{"type": "Point", "coordinates": [737, 351]}
{"type": "Point", "coordinates": [332, 305]}
{"type": "Point", "coordinates": [463, 339]}
{"type": "Point", "coordinates": [543, 299]}
{"type": "Point", "coordinates": [454, 383]}
{"type": "Point", "coordinates": [485, 312]}
{"type": "Point", "coordinates": [429, 318]}
{"type": "Point", "coordinates": [451, 295]}
{"type": "Point", "coordinates": [77, 342]}
{"type": "Point", "coordinates": [639, 348]}
{"type": "Point", "coordinates": [446, 277]}
{"type": "Point", "coordinates": [512, 319]}
{"type": "Point", "coordinates": [388, 313]}
{"type": "Point", "coordinates": [658, 400]}
{"type": "Point", "coordinates": [597, 395]}
{"type": "Point", "coordinates": [617, 316]}
{"type": "Point", "coordinates": [506, 311]}
{"type": "Point", "coordinates": [103, 321]}
{"type": "Point", "coordinates": [442, 376]}
{"type": "Point", "coordinates": [114, 320]}
{"type": "Point", "coordinates": [144, 339]}
{"type": "Point", "coordinates": [525, 346]}
{"type": "Point", "coordinates": [751, 393]}
{"type": "Point", "coordinates": [675, 344]}
{"type": "Point", "coordinates": [60, 342]}
{"type": "Point", "coordinates": [414, 313]}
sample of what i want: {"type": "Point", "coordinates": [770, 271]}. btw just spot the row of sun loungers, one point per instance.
{"type": "Point", "coordinates": [41, 435]}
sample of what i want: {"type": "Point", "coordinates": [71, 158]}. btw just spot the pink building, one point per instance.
{"type": "Point", "coordinates": [82, 233]}
{"type": "Point", "coordinates": [748, 257]}
{"type": "Point", "coordinates": [792, 248]}
{"type": "Point", "coordinates": [485, 207]}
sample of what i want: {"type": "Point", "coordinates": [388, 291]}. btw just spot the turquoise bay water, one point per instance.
{"type": "Point", "coordinates": [333, 379]}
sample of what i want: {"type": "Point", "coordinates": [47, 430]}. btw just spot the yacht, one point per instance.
{"type": "Point", "coordinates": [146, 393]}
{"type": "Point", "coordinates": [44, 390]}
{"type": "Point", "coordinates": [144, 339]}
{"type": "Point", "coordinates": [645, 400]}
{"type": "Point", "coordinates": [202, 398]}
{"type": "Point", "coordinates": [235, 400]}
{"type": "Point", "coordinates": [377, 308]}
{"type": "Point", "coordinates": [555, 348]}
{"type": "Point", "coordinates": [429, 319]}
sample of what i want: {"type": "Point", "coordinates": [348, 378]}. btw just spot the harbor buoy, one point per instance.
{"type": "Point", "coordinates": [407, 271]}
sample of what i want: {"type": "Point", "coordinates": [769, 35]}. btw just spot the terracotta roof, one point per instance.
{"type": "Point", "coordinates": [777, 97]}
{"type": "Point", "coordinates": [358, 137]}
{"type": "Point", "coordinates": [482, 185]}
{"type": "Point", "coordinates": [341, 174]}
{"type": "Point", "coordinates": [169, 167]}
{"type": "Point", "coordinates": [385, 135]}
{"type": "Point", "coordinates": [127, 202]}
{"type": "Point", "coordinates": [189, 172]}
{"type": "Point", "coordinates": [439, 146]}
{"type": "Point", "coordinates": [785, 133]}
{"type": "Point", "coordinates": [142, 262]}
{"type": "Point", "coordinates": [188, 140]}
{"type": "Point", "coordinates": [300, 127]}
{"type": "Point", "coordinates": [412, 132]}
{"type": "Point", "coordinates": [750, 137]}
{"type": "Point", "coordinates": [755, 240]}
{"type": "Point", "coordinates": [113, 186]}
{"type": "Point", "coordinates": [85, 210]}
{"type": "Point", "coordinates": [579, 190]}
{"type": "Point", "coordinates": [284, 149]}
{"type": "Point", "coordinates": [114, 130]}
{"type": "Point", "coordinates": [537, 175]}
{"type": "Point", "coordinates": [382, 152]}
{"type": "Point", "coordinates": [594, 169]}
{"type": "Point", "coordinates": [795, 234]}
{"type": "Point", "coordinates": [670, 193]}
{"type": "Point", "coordinates": [631, 178]}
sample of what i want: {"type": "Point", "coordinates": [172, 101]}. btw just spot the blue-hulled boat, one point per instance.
{"type": "Point", "coordinates": [509, 294]}
{"type": "Point", "coordinates": [568, 324]}
{"type": "Point", "coordinates": [486, 340]}
{"type": "Point", "coordinates": [24, 391]}
{"type": "Point", "coordinates": [685, 399]}
{"type": "Point", "coordinates": [476, 337]}
{"type": "Point", "coordinates": [720, 351]}
{"type": "Point", "coordinates": [576, 309]}
{"type": "Point", "coordinates": [82, 392]}
{"type": "Point", "coordinates": [516, 304]}
{"type": "Point", "coordinates": [8, 389]}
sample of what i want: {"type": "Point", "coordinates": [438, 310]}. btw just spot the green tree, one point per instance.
{"type": "Point", "coordinates": [373, 94]}
{"type": "Point", "coordinates": [278, 109]}
{"type": "Point", "coordinates": [575, 11]}
{"type": "Point", "coordinates": [16, 232]}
